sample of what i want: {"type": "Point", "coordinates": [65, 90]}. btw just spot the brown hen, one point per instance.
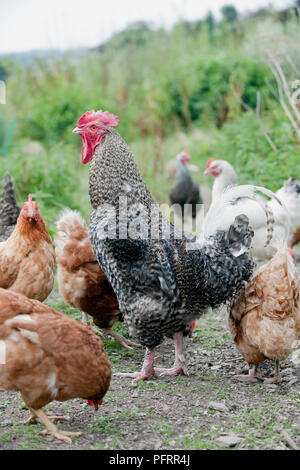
{"type": "Point", "coordinates": [82, 282]}
{"type": "Point", "coordinates": [27, 261]}
{"type": "Point", "coordinates": [46, 356]}
{"type": "Point", "coordinates": [264, 319]}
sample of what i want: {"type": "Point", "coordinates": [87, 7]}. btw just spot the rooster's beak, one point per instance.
{"type": "Point", "coordinates": [76, 130]}
{"type": "Point", "coordinates": [206, 172]}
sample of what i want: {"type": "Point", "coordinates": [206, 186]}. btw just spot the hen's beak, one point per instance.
{"type": "Point", "coordinates": [76, 130]}
{"type": "Point", "coordinates": [206, 172]}
{"type": "Point", "coordinates": [96, 406]}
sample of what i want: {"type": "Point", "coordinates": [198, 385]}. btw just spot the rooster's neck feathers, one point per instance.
{"type": "Point", "coordinates": [113, 173]}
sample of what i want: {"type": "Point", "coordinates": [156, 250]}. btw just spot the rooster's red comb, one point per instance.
{"type": "Point", "coordinates": [103, 117]}
{"type": "Point", "coordinates": [209, 162]}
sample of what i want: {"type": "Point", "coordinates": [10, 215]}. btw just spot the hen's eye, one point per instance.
{"type": "Point", "coordinates": [94, 127]}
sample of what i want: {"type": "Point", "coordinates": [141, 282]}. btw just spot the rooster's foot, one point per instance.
{"type": "Point", "coordinates": [136, 376]}
{"type": "Point", "coordinates": [147, 369]}
{"type": "Point", "coordinates": [175, 370]}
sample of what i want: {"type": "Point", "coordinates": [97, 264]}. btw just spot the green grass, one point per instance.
{"type": "Point", "coordinates": [30, 435]}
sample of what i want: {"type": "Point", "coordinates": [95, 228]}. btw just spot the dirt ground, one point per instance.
{"type": "Point", "coordinates": [210, 409]}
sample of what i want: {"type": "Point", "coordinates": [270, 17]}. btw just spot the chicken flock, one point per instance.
{"type": "Point", "coordinates": [133, 266]}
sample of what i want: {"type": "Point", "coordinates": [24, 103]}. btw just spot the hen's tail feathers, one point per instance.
{"type": "Point", "coordinates": [68, 222]}
{"type": "Point", "coordinates": [232, 195]}
{"type": "Point", "coordinates": [72, 244]}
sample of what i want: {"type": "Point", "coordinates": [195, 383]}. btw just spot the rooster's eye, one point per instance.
{"type": "Point", "coordinates": [94, 127]}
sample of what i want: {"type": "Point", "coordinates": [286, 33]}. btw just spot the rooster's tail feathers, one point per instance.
{"type": "Point", "coordinates": [239, 236]}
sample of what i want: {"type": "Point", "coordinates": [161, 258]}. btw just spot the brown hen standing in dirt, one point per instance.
{"type": "Point", "coordinates": [264, 319]}
{"type": "Point", "coordinates": [82, 282]}
{"type": "Point", "coordinates": [46, 356]}
{"type": "Point", "coordinates": [27, 261]}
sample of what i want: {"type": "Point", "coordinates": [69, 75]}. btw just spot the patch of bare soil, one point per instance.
{"type": "Point", "coordinates": [195, 412]}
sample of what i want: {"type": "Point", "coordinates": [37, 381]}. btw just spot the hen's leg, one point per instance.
{"type": "Point", "coordinates": [85, 319]}
{"type": "Point", "coordinates": [179, 366]}
{"type": "Point", "coordinates": [277, 378]}
{"type": "Point", "coordinates": [252, 374]}
{"type": "Point", "coordinates": [126, 343]}
{"type": "Point", "coordinates": [147, 369]}
{"type": "Point", "coordinates": [33, 419]}
{"type": "Point", "coordinates": [51, 428]}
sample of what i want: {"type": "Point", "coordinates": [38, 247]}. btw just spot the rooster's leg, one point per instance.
{"type": "Point", "coordinates": [147, 369]}
{"type": "Point", "coordinates": [179, 366]}
{"type": "Point", "coordinates": [126, 343]}
{"type": "Point", "coordinates": [51, 428]}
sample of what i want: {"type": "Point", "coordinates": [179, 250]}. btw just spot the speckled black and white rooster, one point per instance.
{"type": "Point", "coordinates": [162, 285]}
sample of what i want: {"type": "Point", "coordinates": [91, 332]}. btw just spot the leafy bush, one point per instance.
{"type": "Point", "coordinates": [56, 178]}
{"type": "Point", "coordinates": [7, 128]}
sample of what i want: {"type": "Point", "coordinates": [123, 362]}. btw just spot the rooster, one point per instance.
{"type": "Point", "coordinates": [9, 209]}
{"type": "Point", "coordinates": [27, 261]}
{"type": "Point", "coordinates": [46, 356]}
{"type": "Point", "coordinates": [82, 282]}
{"type": "Point", "coordinates": [162, 280]}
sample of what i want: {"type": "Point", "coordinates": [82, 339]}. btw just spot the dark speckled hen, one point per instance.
{"type": "Point", "coordinates": [9, 209]}
{"type": "Point", "coordinates": [185, 193]}
{"type": "Point", "coordinates": [162, 285]}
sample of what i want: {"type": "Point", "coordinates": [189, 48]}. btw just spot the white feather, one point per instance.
{"type": "Point", "coordinates": [233, 202]}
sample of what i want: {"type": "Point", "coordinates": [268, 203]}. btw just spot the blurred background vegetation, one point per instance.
{"type": "Point", "coordinates": [220, 89]}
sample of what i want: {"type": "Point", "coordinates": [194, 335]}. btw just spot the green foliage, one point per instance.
{"type": "Point", "coordinates": [229, 12]}
{"type": "Point", "coordinates": [54, 178]}
{"type": "Point", "coordinates": [189, 88]}
{"type": "Point", "coordinates": [7, 128]}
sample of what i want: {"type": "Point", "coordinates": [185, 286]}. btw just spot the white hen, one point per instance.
{"type": "Point", "coordinates": [226, 176]}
